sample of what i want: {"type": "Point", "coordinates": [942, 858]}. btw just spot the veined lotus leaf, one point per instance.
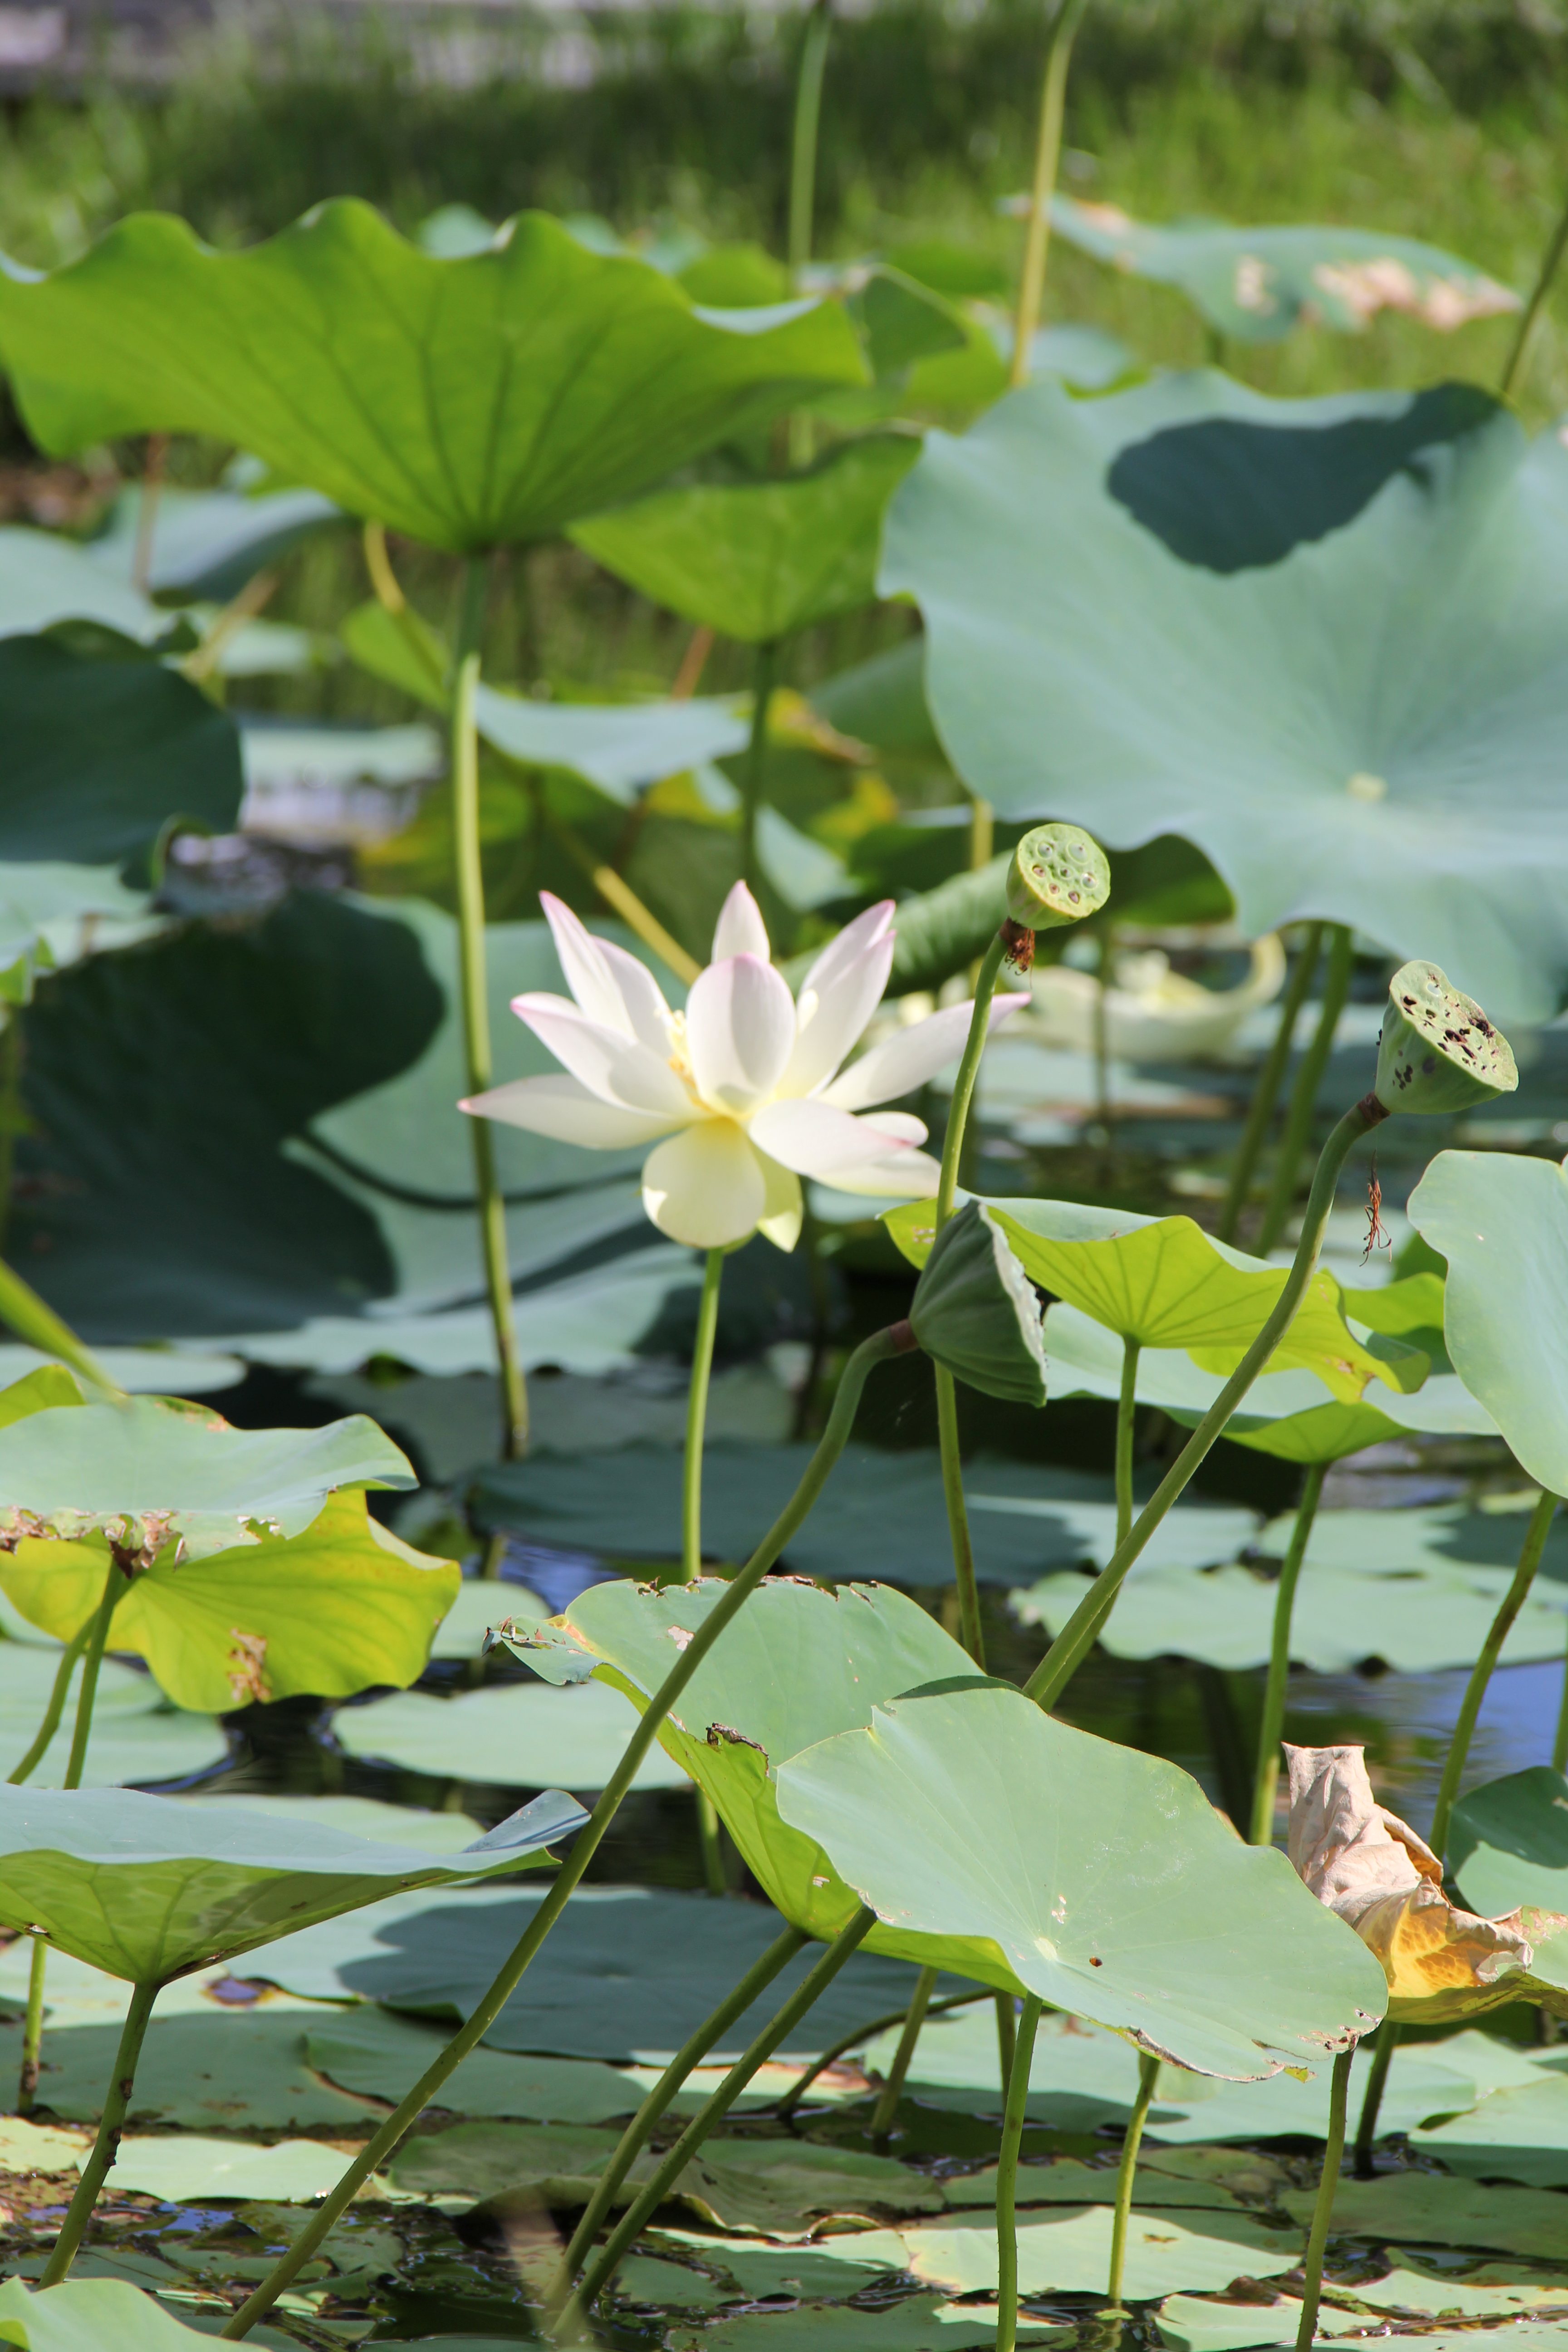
{"type": "Point", "coordinates": [797, 1666]}
{"type": "Point", "coordinates": [1256, 284]}
{"type": "Point", "coordinates": [466, 403]}
{"type": "Point", "coordinates": [513, 1735]}
{"type": "Point", "coordinates": [1503, 1224]}
{"type": "Point", "coordinates": [205, 544]}
{"type": "Point", "coordinates": [1424, 2209]}
{"type": "Point", "coordinates": [340, 1607]}
{"type": "Point", "coordinates": [147, 1888]}
{"type": "Point", "coordinates": [759, 560]}
{"type": "Point", "coordinates": [1351, 617]}
{"type": "Point", "coordinates": [1442, 1964]}
{"type": "Point", "coordinates": [102, 753]}
{"type": "Point", "coordinates": [1166, 1283]}
{"type": "Point", "coordinates": [370, 2052]}
{"type": "Point", "coordinates": [147, 1470]}
{"type": "Point", "coordinates": [974, 1311]}
{"type": "Point", "coordinates": [45, 579]}
{"type": "Point", "coordinates": [1096, 1877]}
{"type": "Point", "coordinates": [84, 2314]}
{"type": "Point", "coordinates": [1508, 1842]}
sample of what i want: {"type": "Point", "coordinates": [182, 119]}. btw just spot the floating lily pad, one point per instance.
{"type": "Point", "coordinates": [27, 2147]}
{"type": "Point", "coordinates": [212, 2069]}
{"type": "Point", "coordinates": [1100, 1878]}
{"type": "Point", "coordinates": [1071, 2254]}
{"type": "Point", "coordinates": [182, 2167]}
{"type": "Point", "coordinates": [368, 1817]}
{"type": "Point", "coordinates": [1063, 2180]}
{"type": "Point", "coordinates": [667, 2286]}
{"type": "Point", "coordinates": [381, 2056]}
{"type": "Point", "coordinates": [1190, 2323]}
{"type": "Point", "coordinates": [831, 2268]}
{"type": "Point", "coordinates": [1429, 2208]}
{"type": "Point", "coordinates": [45, 577]}
{"type": "Point", "coordinates": [1509, 1844]}
{"type": "Point", "coordinates": [1327, 766]}
{"type": "Point", "coordinates": [1519, 2134]}
{"type": "Point", "coordinates": [1491, 2290]}
{"type": "Point", "coordinates": [521, 1735]}
{"type": "Point", "coordinates": [919, 2323]}
{"type": "Point", "coordinates": [207, 543]}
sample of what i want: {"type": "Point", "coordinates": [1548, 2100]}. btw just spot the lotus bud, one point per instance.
{"type": "Point", "coordinates": [975, 1312]}
{"type": "Point", "coordinates": [1058, 876]}
{"type": "Point", "coordinates": [1437, 1051]}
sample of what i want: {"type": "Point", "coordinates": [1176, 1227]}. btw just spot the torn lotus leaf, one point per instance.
{"type": "Point", "coordinates": [1371, 1868]}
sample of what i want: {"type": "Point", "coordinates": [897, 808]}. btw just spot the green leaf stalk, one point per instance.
{"type": "Point", "coordinates": [1304, 1094]}
{"type": "Point", "coordinates": [1012, 2113]}
{"type": "Point", "coordinates": [1267, 1778]}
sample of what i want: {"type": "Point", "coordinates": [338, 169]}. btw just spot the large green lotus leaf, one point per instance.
{"type": "Point", "coordinates": [1256, 284]}
{"type": "Point", "coordinates": [178, 1471]}
{"type": "Point", "coordinates": [465, 403]}
{"type": "Point", "coordinates": [149, 1890]}
{"type": "Point", "coordinates": [185, 2168]}
{"type": "Point", "coordinates": [628, 1972]}
{"type": "Point", "coordinates": [1509, 1842]}
{"type": "Point", "coordinates": [212, 2070]}
{"type": "Point", "coordinates": [1063, 2180]}
{"type": "Point", "coordinates": [369, 1817]}
{"type": "Point", "coordinates": [1071, 2252]}
{"type": "Point", "coordinates": [1423, 1536]}
{"type": "Point", "coordinates": [1503, 1224]}
{"type": "Point", "coordinates": [1349, 617]}
{"type": "Point", "coordinates": [759, 560]}
{"type": "Point", "coordinates": [1099, 1878]}
{"type": "Point", "coordinates": [1426, 2209]}
{"type": "Point", "coordinates": [1490, 2291]}
{"type": "Point", "coordinates": [45, 579]}
{"type": "Point", "coordinates": [797, 1666]}
{"type": "Point", "coordinates": [48, 911]}
{"type": "Point", "coordinates": [880, 1516]}
{"type": "Point", "coordinates": [84, 2314]}
{"type": "Point", "coordinates": [516, 1735]}
{"type": "Point", "coordinates": [1166, 1283]}
{"type": "Point", "coordinates": [381, 2056]}
{"type": "Point", "coordinates": [207, 543]}
{"type": "Point", "coordinates": [100, 753]}
{"type": "Point", "coordinates": [342, 1607]}
{"type": "Point", "coordinates": [1416, 1620]}
{"type": "Point", "coordinates": [1518, 2135]}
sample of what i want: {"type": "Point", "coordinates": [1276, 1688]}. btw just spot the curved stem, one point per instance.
{"type": "Point", "coordinates": [1304, 1094]}
{"type": "Point", "coordinates": [764, 666]}
{"type": "Point", "coordinates": [1371, 2097]}
{"type": "Point", "coordinates": [862, 2034]}
{"type": "Point", "coordinates": [696, 1420]}
{"type": "Point", "coordinates": [1121, 2213]}
{"type": "Point", "coordinates": [972, 1633]}
{"type": "Point", "coordinates": [1265, 1093]}
{"type": "Point", "coordinates": [1532, 308]}
{"type": "Point", "coordinates": [116, 2101]}
{"type": "Point", "coordinates": [1453, 1764]}
{"type": "Point", "coordinates": [1267, 1778]}
{"type": "Point", "coordinates": [1126, 1404]}
{"type": "Point", "coordinates": [896, 1340]}
{"type": "Point", "coordinates": [465, 763]}
{"type": "Point", "coordinates": [1323, 2212]}
{"type": "Point", "coordinates": [1077, 1636]}
{"type": "Point", "coordinates": [33, 2031]}
{"type": "Point", "coordinates": [647, 2203]}
{"type": "Point", "coordinates": [892, 2090]}
{"type": "Point", "coordinates": [633, 2140]}
{"type": "Point", "coordinates": [1048, 155]}
{"type": "Point", "coordinates": [54, 1709]}
{"type": "Point", "coordinates": [807, 116]}
{"type": "Point", "coordinates": [968, 1071]}
{"type": "Point", "coordinates": [1007, 2176]}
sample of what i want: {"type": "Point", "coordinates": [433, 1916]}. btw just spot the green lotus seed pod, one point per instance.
{"type": "Point", "coordinates": [1438, 1052]}
{"type": "Point", "coordinates": [975, 1312]}
{"type": "Point", "coordinates": [1058, 876]}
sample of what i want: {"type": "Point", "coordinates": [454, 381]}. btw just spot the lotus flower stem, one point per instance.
{"type": "Point", "coordinates": [633, 2140]}
{"type": "Point", "coordinates": [33, 2027]}
{"type": "Point", "coordinates": [696, 1420]}
{"type": "Point", "coordinates": [862, 2034]}
{"type": "Point", "coordinates": [714, 2112]}
{"type": "Point", "coordinates": [1273, 1723]}
{"type": "Point", "coordinates": [116, 2102]}
{"type": "Point", "coordinates": [1121, 2213]}
{"type": "Point", "coordinates": [1265, 1093]}
{"type": "Point", "coordinates": [1550, 260]}
{"type": "Point", "coordinates": [1308, 1079]}
{"type": "Point", "coordinates": [1323, 2212]}
{"type": "Point", "coordinates": [1007, 2176]}
{"type": "Point", "coordinates": [97, 1637]}
{"type": "Point", "coordinates": [1125, 1405]}
{"type": "Point", "coordinates": [1007, 2035]}
{"type": "Point", "coordinates": [1048, 155]}
{"type": "Point", "coordinates": [54, 1709]}
{"type": "Point", "coordinates": [1387, 2043]}
{"type": "Point", "coordinates": [1079, 1633]}
{"type": "Point", "coordinates": [807, 115]}
{"type": "Point", "coordinates": [892, 2090]}
{"type": "Point", "coordinates": [1482, 1673]}
{"type": "Point", "coordinates": [465, 762]}
{"type": "Point", "coordinates": [764, 667]}
{"type": "Point", "coordinates": [896, 1340]}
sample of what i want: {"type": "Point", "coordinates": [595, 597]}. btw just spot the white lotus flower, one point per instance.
{"type": "Point", "coordinates": [745, 1087]}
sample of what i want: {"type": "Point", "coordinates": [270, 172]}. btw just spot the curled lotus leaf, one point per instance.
{"type": "Point", "coordinates": [1442, 1964]}
{"type": "Point", "coordinates": [976, 1313]}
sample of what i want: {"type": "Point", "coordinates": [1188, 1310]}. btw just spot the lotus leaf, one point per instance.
{"type": "Point", "coordinates": [208, 2069]}
{"type": "Point", "coordinates": [45, 579]}
{"type": "Point", "coordinates": [1328, 767]}
{"type": "Point", "coordinates": [617, 747]}
{"type": "Point", "coordinates": [1099, 1878]}
{"type": "Point", "coordinates": [480, 1603]}
{"type": "Point", "coordinates": [916, 2322]}
{"type": "Point", "coordinates": [1426, 2209]}
{"type": "Point", "coordinates": [1071, 2252]}
{"type": "Point", "coordinates": [1490, 2291]}
{"type": "Point", "coordinates": [759, 560]}
{"type": "Point", "coordinates": [36, 2148]}
{"type": "Point", "coordinates": [797, 1666]}
{"type": "Point", "coordinates": [343, 1606]}
{"type": "Point", "coordinates": [368, 1817]}
{"type": "Point", "coordinates": [661, 2285]}
{"type": "Point", "coordinates": [514, 1735]}
{"type": "Point", "coordinates": [1258, 283]}
{"type": "Point", "coordinates": [975, 1312]}
{"type": "Point", "coordinates": [1164, 1283]}
{"type": "Point", "coordinates": [146, 1471]}
{"type": "Point", "coordinates": [1194, 2323]}
{"type": "Point", "coordinates": [48, 914]}
{"type": "Point", "coordinates": [135, 1735]}
{"type": "Point", "coordinates": [1063, 2180]}
{"type": "Point", "coordinates": [207, 543]}
{"type": "Point", "coordinates": [181, 2168]}
{"type": "Point", "coordinates": [833, 2266]}
{"type": "Point", "coordinates": [104, 751]}
{"type": "Point", "coordinates": [465, 403]}
{"type": "Point", "coordinates": [1424, 1537]}
{"type": "Point", "coordinates": [149, 1890]}
{"type": "Point", "coordinates": [1508, 1842]}
{"type": "Point", "coordinates": [379, 2056]}
{"type": "Point", "coordinates": [84, 2314]}
{"type": "Point", "coordinates": [1520, 2134]}
{"type": "Point", "coordinates": [1503, 1224]}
